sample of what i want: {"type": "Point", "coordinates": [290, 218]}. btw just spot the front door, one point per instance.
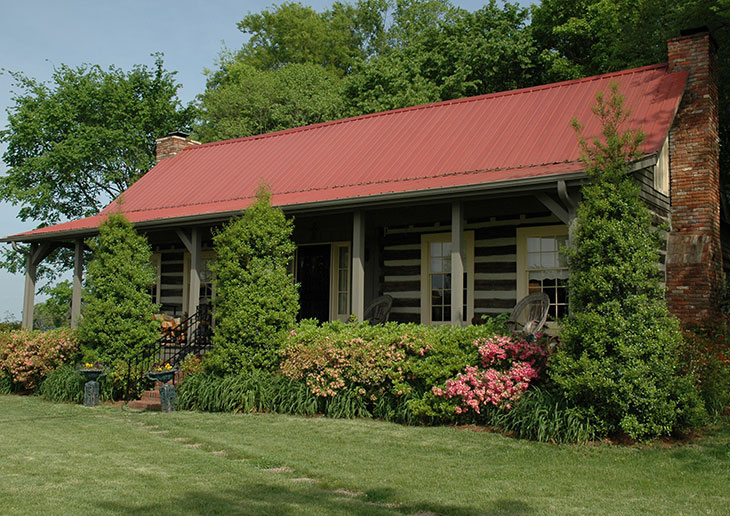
{"type": "Point", "coordinates": [313, 275]}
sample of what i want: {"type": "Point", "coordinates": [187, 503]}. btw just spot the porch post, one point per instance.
{"type": "Point", "coordinates": [358, 265]}
{"type": "Point", "coordinates": [78, 276]}
{"type": "Point", "coordinates": [29, 294]}
{"type": "Point", "coordinates": [457, 263]}
{"type": "Point", "coordinates": [196, 244]}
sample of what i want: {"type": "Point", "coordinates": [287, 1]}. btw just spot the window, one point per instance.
{"type": "Point", "coordinates": [436, 278]}
{"type": "Point", "coordinates": [661, 170]}
{"type": "Point", "coordinates": [340, 281]}
{"type": "Point", "coordinates": [542, 267]}
{"type": "Point", "coordinates": [207, 277]}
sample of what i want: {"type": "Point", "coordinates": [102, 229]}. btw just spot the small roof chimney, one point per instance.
{"type": "Point", "coordinates": [168, 146]}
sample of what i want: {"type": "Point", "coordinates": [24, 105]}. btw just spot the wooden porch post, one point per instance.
{"type": "Point", "coordinates": [457, 263]}
{"type": "Point", "coordinates": [32, 258]}
{"type": "Point", "coordinates": [78, 277]}
{"type": "Point", "coordinates": [193, 245]}
{"type": "Point", "coordinates": [194, 299]}
{"type": "Point", "coordinates": [358, 265]}
{"type": "Point", "coordinates": [29, 294]}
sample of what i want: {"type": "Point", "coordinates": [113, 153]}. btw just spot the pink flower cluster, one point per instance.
{"type": "Point", "coordinates": [28, 356]}
{"type": "Point", "coordinates": [509, 365]}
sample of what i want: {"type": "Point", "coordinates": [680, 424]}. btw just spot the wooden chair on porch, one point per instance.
{"type": "Point", "coordinates": [530, 314]}
{"type": "Point", "coordinates": [378, 310]}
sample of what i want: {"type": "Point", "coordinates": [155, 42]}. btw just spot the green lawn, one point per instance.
{"type": "Point", "coordinates": [69, 460]}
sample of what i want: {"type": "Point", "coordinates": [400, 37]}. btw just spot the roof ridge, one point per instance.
{"type": "Point", "coordinates": [462, 100]}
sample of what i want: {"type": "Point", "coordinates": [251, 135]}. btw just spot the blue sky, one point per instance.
{"type": "Point", "coordinates": [36, 35]}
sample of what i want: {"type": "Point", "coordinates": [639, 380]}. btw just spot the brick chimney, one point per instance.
{"type": "Point", "coordinates": [168, 146]}
{"type": "Point", "coordinates": [694, 251]}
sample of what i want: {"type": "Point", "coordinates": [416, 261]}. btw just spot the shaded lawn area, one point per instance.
{"type": "Point", "coordinates": [66, 459]}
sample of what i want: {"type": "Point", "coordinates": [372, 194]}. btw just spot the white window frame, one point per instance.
{"type": "Point", "coordinates": [335, 281]}
{"type": "Point", "coordinates": [661, 169]}
{"type": "Point", "coordinates": [467, 253]}
{"type": "Point", "coordinates": [209, 255]}
{"type": "Point", "coordinates": [522, 235]}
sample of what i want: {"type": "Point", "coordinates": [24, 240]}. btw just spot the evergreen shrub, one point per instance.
{"type": "Point", "coordinates": [118, 311]}
{"type": "Point", "coordinates": [705, 355]}
{"type": "Point", "coordinates": [256, 297]}
{"type": "Point", "coordinates": [619, 355]}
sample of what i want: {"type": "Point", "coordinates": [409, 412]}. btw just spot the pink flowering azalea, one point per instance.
{"type": "Point", "coordinates": [510, 364]}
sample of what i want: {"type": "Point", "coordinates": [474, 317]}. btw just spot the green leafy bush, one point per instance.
{"type": "Point", "coordinates": [118, 307]}
{"type": "Point", "coordinates": [63, 384]}
{"type": "Point", "coordinates": [705, 355]}
{"type": "Point", "coordinates": [26, 357]}
{"type": "Point", "coordinates": [256, 296]}
{"type": "Point", "coordinates": [618, 357]}
{"type": "Point", "coordinates": [385, 372]}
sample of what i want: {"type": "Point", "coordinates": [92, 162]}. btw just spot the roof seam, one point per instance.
{"type": "Point", "coordinates": [349, 185]}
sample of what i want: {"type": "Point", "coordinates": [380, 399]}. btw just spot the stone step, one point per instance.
{"type": "Point", "coordinates": [151, 395]}
{"type": "Point", "coordinates": [145, 404]}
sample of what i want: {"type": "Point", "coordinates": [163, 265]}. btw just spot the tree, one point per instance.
{"type": "Point", "coordinates": [241, 100]}
{"type": "Point", "coordinates": [54, 312]}
{"type": "Point", "coordinates": [294, 33]}
{"type": "Point", "coordinates": [618, 355]}
{"type": "Point", "coordinates": [77, 143]}
{"type": "Point", "coordinates": [117, 317]}
{"type": "Point", "coordinates": [256, 295]}
{"type": "Point", "coordinates": [587, 37]}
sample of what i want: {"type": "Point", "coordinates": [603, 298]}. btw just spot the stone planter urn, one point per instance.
{"type": "Point", "coordinates": [91, 388]}
{"type": "Point", "coordinates": [167, 389]}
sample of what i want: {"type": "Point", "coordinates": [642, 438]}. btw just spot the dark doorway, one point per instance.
{"type": "Point", "coordinates": [313, 274]}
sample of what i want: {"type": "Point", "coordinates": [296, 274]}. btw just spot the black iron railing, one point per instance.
{"type": "Point", "coordinates": [191, 337]}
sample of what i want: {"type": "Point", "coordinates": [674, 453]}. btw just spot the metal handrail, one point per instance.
{"type": "Point", "coordinates": [191, 336]}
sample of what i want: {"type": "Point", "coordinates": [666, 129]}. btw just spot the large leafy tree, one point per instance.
{"type": "Point", "coordinates": [77, 142]}
{"type": "Point", "coordinates": [294, 33]}
{"type": "Point", "coordinates": [586, 37]}
{"type": "Point", "coordinates": [241, 100]}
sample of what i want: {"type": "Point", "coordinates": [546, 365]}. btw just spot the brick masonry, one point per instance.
{"type": "Point", "coordinates": [694, 250]}
{"type": "Point", "coordinates": [169, 146]}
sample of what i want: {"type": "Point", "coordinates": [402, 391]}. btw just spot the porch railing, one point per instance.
{"type": "Point", "coordinates": [191, 337]}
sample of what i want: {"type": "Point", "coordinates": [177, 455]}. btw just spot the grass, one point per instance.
{"type": "Point", "coordinates": [66, 459]}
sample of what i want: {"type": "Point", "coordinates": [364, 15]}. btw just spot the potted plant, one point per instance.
{"type": "Point", "coordinates": [162, 372]}
{"type": "Point", "coordinates": [91, 371]}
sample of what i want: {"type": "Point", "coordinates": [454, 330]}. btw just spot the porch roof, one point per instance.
{"type": "Point", "coordinates": [510, 137]}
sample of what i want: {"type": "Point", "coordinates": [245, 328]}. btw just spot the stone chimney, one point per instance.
{"type": "Point", "coordinates": [694, 250]}
{"type": "Point", "coordinates": [168, 146]}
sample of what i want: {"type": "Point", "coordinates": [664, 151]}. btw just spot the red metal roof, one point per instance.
{"type": "Point", "coordinates": [504, 136]}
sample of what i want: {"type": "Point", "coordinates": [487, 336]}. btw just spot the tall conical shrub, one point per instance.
{"type": "Point", "coordinates": [118, 308]}
{"type": "Point", "coordinates": [256, 297]}
{"type": "Point", "coordinates": [618, 358]}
